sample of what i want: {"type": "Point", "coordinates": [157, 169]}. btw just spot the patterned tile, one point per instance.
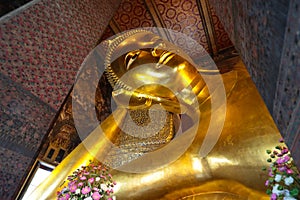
{"type": "Point", "coordinates": [266, 34]}
{"type": "Point", "coordinates": [184, 17]}
{"type": "Point", "coordinates": [45, 44]}
{"type": "Point", "coordinates": [133, 14]}
{"type": "Point", "coordinates": [222, 39]}
{"type": "Point", "coordinates": [286, 110]}
{"type": "Point", "coordinates": [13, 166]}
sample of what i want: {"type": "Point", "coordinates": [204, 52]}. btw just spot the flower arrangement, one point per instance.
{"type": "Point", "coordinates": [91, 182]}
{"type": "Point", "coordinates": [284, 179]}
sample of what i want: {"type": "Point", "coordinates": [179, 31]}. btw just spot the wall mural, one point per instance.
{"type": "Point", "coordinates": [63, 137]}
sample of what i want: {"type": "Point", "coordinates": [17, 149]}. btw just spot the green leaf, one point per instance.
{"type": "Point", "coordinates": [269, 192]}
{"type": "Point", "coordinates": [294, 192]}
{"type": "Point", "coordinates": [278, 147]}
{"type": "Point", "coordinates": [268, 151]}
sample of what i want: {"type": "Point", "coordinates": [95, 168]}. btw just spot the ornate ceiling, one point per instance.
{"type": "Point", "coordinates": [195, 18]}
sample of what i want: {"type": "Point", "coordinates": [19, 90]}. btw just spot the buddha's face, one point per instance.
{"type": "Point", "coordinates": [153, 69]}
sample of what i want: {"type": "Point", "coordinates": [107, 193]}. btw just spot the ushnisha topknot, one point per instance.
{"type": "Point", "coordinates": [113, 79]}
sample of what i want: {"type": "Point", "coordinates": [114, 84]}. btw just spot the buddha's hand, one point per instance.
{"type": "Point", "coordinates": [137, 100]}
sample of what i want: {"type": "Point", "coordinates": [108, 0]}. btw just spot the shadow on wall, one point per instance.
{"type": "Point", "coordinates": [7, 6]}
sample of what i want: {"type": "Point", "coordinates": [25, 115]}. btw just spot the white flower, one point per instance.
{"type": "Point", "coordinates": [88, 198]}
{"type": "Point", "coordinates": [103, 187]}
{"type": "Point", "coordinates": [286, 193]}
{"type": "Point", "coordinates": [289, 180]}
{"type": "Point", "coordinates": [97, 179]}
{"type": "Point", "coordinates": [114, 197]}
{"type": "Point", "coordinates": [278, 177]}
{"type": "Point", "coordinates": [64, 190]}
{"type": "Point", "coordinates": [77, 191]}
{"type": "Point", "coordinates": [289, 198]}
{"type": "Point", "coordinates": [276, 191]}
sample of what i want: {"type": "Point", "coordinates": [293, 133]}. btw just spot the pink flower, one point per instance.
{"type": "Point", "coordinates": [91, 180]}
{"type": "Point", "coordinates": [267, 183]}
{"type": "Point", "coordinates": [80, 184]}
{"type": "Point", "coordinates": [73, 188]}
{"type": "Point", "coordinates": [289, 171]}
{"type": "Point", "coordinates": [85, 190]}
{"type": "Point", "coordinates": [284, 151]}
{"type": "Point", "coordinates": [282, 169]}
{"type": "Point", "coordinates": [286, 158]}
{"type": "Point", "coordinates": [279, 161]}
{"type": "Point", "coordinates": [95, 189]}
{"type": "Point", "coordinates": [281, 140]}
{"type": "Point", "coordinates": [271, 174]}
{"type": "Point", "coordinates": [96, 196]}
{"type": "Point", "coordinates": [273, 196]}
{"type": "Point", "coordinates": [71, 183]}
{"type": "Point", "coordinates": [83, 178]}
{"type": "Point", "coordinates": [67, 196]}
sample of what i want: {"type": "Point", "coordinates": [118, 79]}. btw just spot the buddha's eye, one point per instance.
{"type": "Point", "coordinates": [130, 58]}
{"type": "Point", "coordinates": [134, 56]}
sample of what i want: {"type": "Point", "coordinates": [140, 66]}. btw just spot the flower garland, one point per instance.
{"type": "Point", "coordinates": [91, 182]}
{"type": "Point", "coordinates": [284, 179]}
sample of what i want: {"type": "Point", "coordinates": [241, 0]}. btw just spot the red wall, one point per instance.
{"type": "Point", "coordinates": [42, 46]}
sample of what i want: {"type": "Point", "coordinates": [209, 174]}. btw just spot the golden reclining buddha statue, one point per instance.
{"type": "Point", "coordinates": [178, 131]}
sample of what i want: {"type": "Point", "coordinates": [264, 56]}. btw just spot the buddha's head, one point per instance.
{"type": "Point", "coordinates": [145, 69]}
